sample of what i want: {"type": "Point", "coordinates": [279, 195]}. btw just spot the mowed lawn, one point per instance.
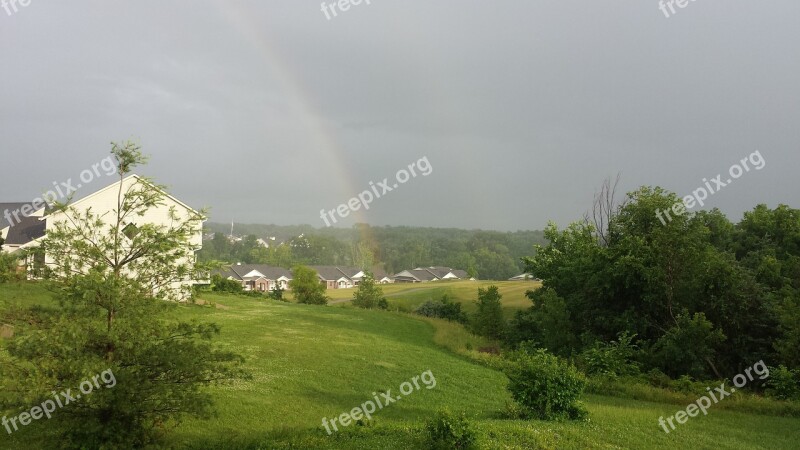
{"type": "Point", "coordinates": [407, 296]}
{"type": "Point", "coordinates": [310, 362]}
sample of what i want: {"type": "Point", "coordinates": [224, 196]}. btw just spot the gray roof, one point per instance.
{"type": "Point", "coordinates": [27, 230]}
{"type": "Point", "coordinates": [239, 271]}
{"type": "Point", "coordinates": [434, 272]}
{"type": "Point", "coordinates": [329, 273]}
{"type": "Point", "coordinates": [462, 274]}
{"type": "Point", "coordinates": [10, 207]}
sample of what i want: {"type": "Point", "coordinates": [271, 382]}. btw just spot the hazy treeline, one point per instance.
{"type": "Point", "coordinates": [485, 254]}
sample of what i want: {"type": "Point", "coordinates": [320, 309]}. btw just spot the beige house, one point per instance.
{"type": "Point", "coordinates": [29, 231]}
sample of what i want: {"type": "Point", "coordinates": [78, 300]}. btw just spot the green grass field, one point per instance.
{"type": "Point", "coordinates": [408, 296]}
{"type": "Point", "coordinates": [310, 362]}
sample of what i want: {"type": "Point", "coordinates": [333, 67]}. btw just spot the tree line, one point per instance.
{"type": "Point", "coordinates": [490, 255]}
{"type": "Point", "coordinates": [698, 295]}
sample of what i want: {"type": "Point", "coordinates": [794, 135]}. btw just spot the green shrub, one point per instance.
{"type": "Point", "coordinates": [219, 284]}
{"type": "Point", "coordinates": [545, 386]}
{"type": "Point", "coordinates": [613, 359]}
{"type": "Point", "coordinates": [277, 294]}
{"type": "Point", "coordinates": [442, 309]}
{"type": "Point", "coordinates": [9, 268]}
{"type": "Point", "coordinates": [783, 383]}
{"type": "Point", "coordinates": [448, 431]}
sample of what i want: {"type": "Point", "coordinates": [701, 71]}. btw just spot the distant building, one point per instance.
{"type": "Point", "coordinates": [427, 274]}
{"type": "Point", "coordinates": [524, 277]}
{"type": "Point", "coordinates": [263, 278]}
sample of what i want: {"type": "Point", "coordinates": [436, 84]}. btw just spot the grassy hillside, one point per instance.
{"type": "Point", "coordinates": [312, 362]}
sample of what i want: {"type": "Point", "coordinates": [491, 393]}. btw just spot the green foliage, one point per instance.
{"type": "Point", "coordinates": [783, 383]}
{"type": "Point", "coordinates": [687, 348]}
{"type": "Point", "coordinates": [448, 431]}
{"type": "Point", "coordinates": [112, 317]}
{"type": "Point", "coordinates": [615, 358]}
{"type": "Point", "coordinates": [490, 254]}
{"type": "Point", "coordinates": [369, 294]}
{"type": "Point", "coordinates": [488, 321]}
{"type": "Point", "coordinates": [704, 297]}
{"type": "Point", "coordinates": [220, 284]}
{"type": "Point", "coordinates": [788, 344]}
{"type": "Point", "coordinates": [442, 309]}
{"type": "Point", "coordinates": [277, 293]}
{"type": "Point", "coordinates": [546, 322]}
{"type": "Point", "coordinates": [9, 268]}
{"type": "Point", "coordinates": [545, 386]}
{"type": "Point", "coordinates": [306, 287]}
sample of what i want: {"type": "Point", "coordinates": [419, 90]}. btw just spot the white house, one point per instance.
{"type": "Point", "coordinates": [31, 230]}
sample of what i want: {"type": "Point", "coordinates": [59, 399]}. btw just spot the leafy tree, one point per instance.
{"type": "Point", "coordinates": [687, 347]}
{"type": "Point", "coordinates": [306, 287]}
{"type": "Point", "coordinates": [112, 316]}
{"type": "Point", "coordinates": [369, 293]}
{"type": "Point", "coordinates": [488, 320]}
{"type": "Point", "coordinates": [547, 322]}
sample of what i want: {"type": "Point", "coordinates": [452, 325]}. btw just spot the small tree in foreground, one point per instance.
{"type": "Point", "coordinates": [111, 280]}
{"type": "Point", "coordinates": [306, 287]}
{"type": "Point", "coordinates": [369, 294]}
{"type": "Point", "coordinates": [488, 321]}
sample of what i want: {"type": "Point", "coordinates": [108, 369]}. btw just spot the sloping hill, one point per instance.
{"type": "Point", "coordinates": [311, 362]}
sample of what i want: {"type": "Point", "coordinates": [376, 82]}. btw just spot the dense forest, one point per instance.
{"type": "Point", "coordinates": [697, 295]}
{"type": "Point", "coordinates": [491, 255]}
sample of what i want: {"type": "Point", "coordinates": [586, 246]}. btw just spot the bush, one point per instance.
{"type": "Point", "coordinates": [447, 431]}
{"type": "Point", "coordinates": [442, 309]}
{"type": "Point", "coordinates": [277, 294]}
{"type": "Point", "coordinates": [545, 386]}
{"type": "Point", "coordinates": [783, 383]}
{"type": "Point", "coordinates": [612, 359]}
{"type": "Point", "coordinates": [219, 284]}
{"type": "Point", "coordinates": [9, 268]}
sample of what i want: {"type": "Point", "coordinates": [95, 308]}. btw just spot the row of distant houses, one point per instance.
{"type": "Point", "coordinates": [263, 278]}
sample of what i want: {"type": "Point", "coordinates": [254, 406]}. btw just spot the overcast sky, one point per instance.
{"type": "Point", "coordinates": [268, 112]}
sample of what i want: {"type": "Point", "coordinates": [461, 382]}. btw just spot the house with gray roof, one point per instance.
{"type": "Point", "coordinates": [433, 273]}
{"type": "Point", "coordinates": [257, 277]}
